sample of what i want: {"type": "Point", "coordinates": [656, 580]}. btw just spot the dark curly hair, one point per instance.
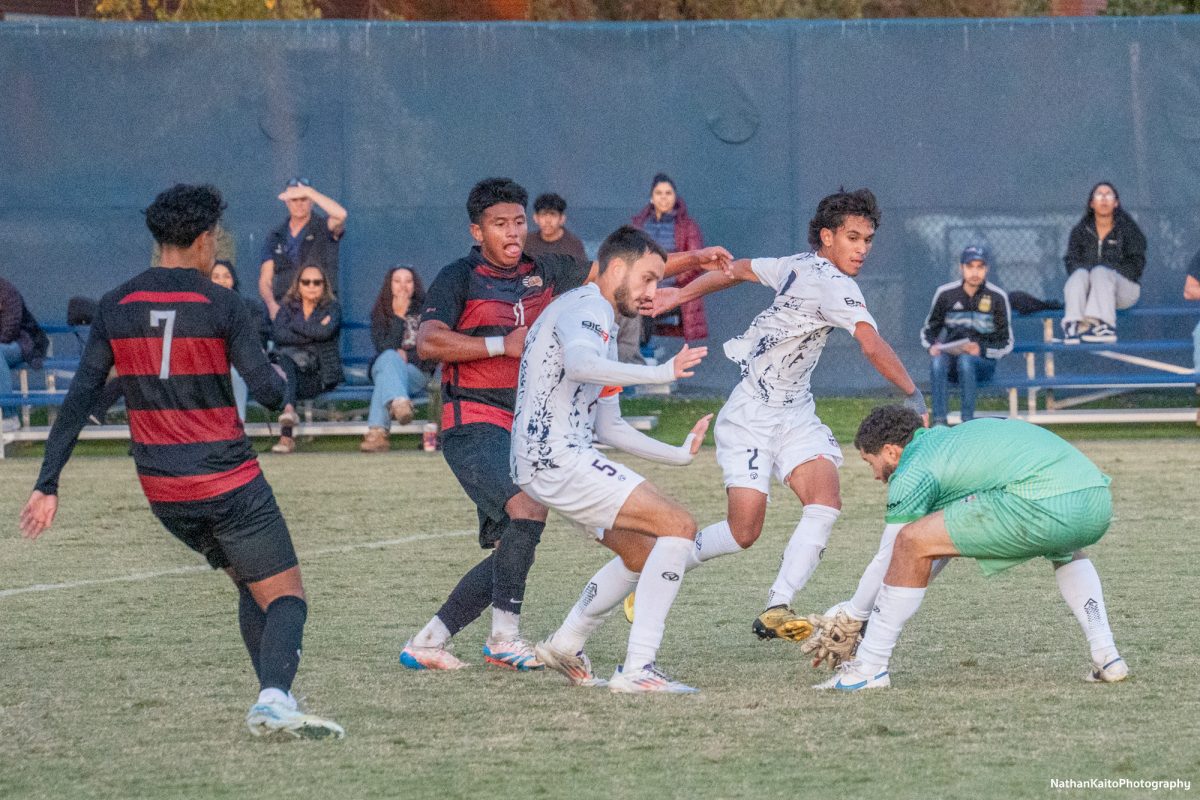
{"type": "Point", "coordinates": [183, 212]}
{"type": "Point", "coordinates": [894, 424]}
{"type": "Point", "coordinates": [627, 243]}
{"type": "Point", "coordinates": [833, 210]}
{"type": "Point", "coordinates": [492, 191]}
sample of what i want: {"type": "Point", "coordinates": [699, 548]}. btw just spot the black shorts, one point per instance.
{"type": "Point", "coordinates": [478, 456]}
{"type": "Point", "coordinates": [242, 529]}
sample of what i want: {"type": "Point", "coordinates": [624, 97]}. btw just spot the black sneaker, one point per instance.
{"type": "Point", "coordinates": [1101, 334]}
{"type": "Point", "coordinates": [1070, 332]}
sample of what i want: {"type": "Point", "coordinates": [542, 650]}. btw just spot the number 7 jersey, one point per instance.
{"type": "Point", "coordinates": [171, 334]}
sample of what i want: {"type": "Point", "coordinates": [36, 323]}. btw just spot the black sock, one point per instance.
{"type": "Point", "coordinates": [469, 598]}
{"type": "Point", "coordinates": [252, 620]}
{"type": "Point", "coordinates": [283, 631]}
{"type": "Point", "coordinates": [513, 560]}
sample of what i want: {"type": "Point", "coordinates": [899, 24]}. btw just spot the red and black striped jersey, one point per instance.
{"type": "Point", "coordinates": [172, 335]}
{"type": "Point", "coordinates": [477, 298]}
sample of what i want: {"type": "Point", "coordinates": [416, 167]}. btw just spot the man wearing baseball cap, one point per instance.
{"type": "Point", "coordinates": [968, 330]}
{"type": "Point", "coordinates": [302, 240]}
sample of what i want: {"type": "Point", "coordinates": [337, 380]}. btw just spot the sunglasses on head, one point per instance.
{"type": "Point", "coordinates": [312, 281]}
{"type": "Point", "coordinates": [298, 182]}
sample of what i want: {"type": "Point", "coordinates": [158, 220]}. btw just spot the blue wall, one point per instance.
{"type": "Point", "coordinates": [966, 130]}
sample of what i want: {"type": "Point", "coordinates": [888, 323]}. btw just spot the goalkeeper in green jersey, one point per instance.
{"type": "Point", "coordinates": [999, 491]}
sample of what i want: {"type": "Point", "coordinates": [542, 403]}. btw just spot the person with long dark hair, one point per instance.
{"type": "Point", "coordinates": [306, 330]}
{"type": "Point", "coordinates": [398, 373]}
{"type": "Point", "coordinates": [1105, 258]}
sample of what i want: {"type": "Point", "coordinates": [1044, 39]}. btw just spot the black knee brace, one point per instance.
{"type": "Point", "coordinates": [512, 561]}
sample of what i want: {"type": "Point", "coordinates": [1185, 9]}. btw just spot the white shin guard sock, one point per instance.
{"type": "Point", "coordinates": [1080, 586]}
{"type": "Point", "coordinates": [803, 553]}
{"type": "Point", "coordinates": [893, 607]}
{"type": "Point", "coordinates": [506, 625]}
{"type": "Point", "coordinates": [603, 593]}
{"type": "Point", "coordinates": [434, 634]}
{"type": "Point", "coordinates": [715, 540]}
{"type": "Point", "coordinates": [656, 590]}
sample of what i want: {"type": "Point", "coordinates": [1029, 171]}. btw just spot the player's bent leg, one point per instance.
{"type": "Point", "coordinates": [1079, 584]}
{"type": "Point", "coordinates": [816, 484]}
{"type": "Point", "coordinates": [281, 598]}
{"type": "Point", "coordinates": [511, 563]}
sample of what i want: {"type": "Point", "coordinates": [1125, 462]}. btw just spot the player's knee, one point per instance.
{"type": "Point", "coordinates": [680, 524]}
{"type": "Point", "coordinates": [745, 534]}
{"type": "Point", "coordinates": [522, 506]}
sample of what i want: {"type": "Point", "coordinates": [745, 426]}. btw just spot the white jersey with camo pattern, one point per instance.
{"type": "Point", "coordinates": [554, 414]}
{"type": "Point", "coordinates": [780, 349]}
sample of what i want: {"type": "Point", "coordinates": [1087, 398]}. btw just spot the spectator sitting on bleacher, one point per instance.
{"type": "Point", "coordinates": [223, 275]}
{"type": "Point", "coordinates": [306, 332]}
{"type": "Point", "coordinates": [397, 372]}
{"type": "Point", "coordinates": [1105, 258]}
{"type": "Point", "coordinates": [22, 342]}
{"type": "Point", "coordinates": [1191, 291]}
{"type": "Point", "coordinates": [303, 238]}
{"type": "Point", "coordinates": [968, 330]}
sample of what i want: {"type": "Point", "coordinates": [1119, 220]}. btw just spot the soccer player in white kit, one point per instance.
{"type": "Point", "coordinates": [562, 404]}
{"type": "Point", "coordinates": [769, 426]}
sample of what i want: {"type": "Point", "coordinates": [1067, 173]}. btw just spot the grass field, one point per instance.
{"type": "Point", "coordinates": [137, 688]}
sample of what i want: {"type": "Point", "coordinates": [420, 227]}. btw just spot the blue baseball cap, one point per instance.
{"type": "Point", "coordinates": [974, 253]}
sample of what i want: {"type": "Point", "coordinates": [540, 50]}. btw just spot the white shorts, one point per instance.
{"type": "Point", "coordinates": [756, 441]}
{"type": "Point", "coordinates": [589, 490]}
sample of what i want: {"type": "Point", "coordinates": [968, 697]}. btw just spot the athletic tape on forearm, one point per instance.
{"type": "Point", "coordinates": [495, 345]}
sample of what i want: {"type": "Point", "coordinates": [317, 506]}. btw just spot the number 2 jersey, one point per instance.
{"type": "Point", "coordinates": [780, 349]}
{"type": "Point", "coordinates": [172, 335]}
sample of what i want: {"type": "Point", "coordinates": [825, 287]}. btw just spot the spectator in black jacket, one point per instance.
{"type": "Point", "coordinates": [1105, 258]}
{"type": "Point", "coordinates": [306, 332]}
{"type": "Point", "coordinates": [968, 330]}
{"type": "Point", "coordinates": [397, 372]}
{"type": "Point", "coordinates": [22, 341]}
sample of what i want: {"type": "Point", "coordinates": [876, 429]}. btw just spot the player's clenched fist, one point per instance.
{"type": "Point", "coordinates": [687, 358]}
{"type": "Point", "coordinates": [514, 342]}
{"type": "Point", "coordinates": [715, 258]}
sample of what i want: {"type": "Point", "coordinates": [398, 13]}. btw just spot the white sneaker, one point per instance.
{"type": "Point", "coordinates": [511, 654]}
{"type": "Point", "coordinates": [1112, 672]}
{"type": "Point", "coordinates": [850, 677]}
{"type": "Point", "coordinates": [277, 715]}
{"type": "Point", "coordinates": [415, 657]}
{"type": "Point", "coordinates": [576, 667]}
{"type": "Point", "coordinates": [646, 680]}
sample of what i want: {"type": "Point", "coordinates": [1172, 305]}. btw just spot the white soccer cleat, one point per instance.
{"type": "Point", "coordinates": [576, 667]}
{"type": "Point", "coordinates": [646, 680]}
{"type": "Point", "coordinates": [278, 716]}
{"type": "Point", "coordinates": [516, 654]}
{"type": "Point", "coordinates": [1112, 672]}
{"type": "Point", "coordinates": [851, 677]}
{"type": "Point", "coordinates": [415, 657]}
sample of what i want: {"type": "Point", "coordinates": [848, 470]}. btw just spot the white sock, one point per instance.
{"type": "Point", "coordinates": [715, 540]}
{"type": "Point", "coordinates": [656, 590]}
{"type": "Point", "coordinates": [863, 601]}
{"type": "Point", "coordinates": [506, 625]}
{"type": "Point", "coordinates": [603, 593]}
{"type": "Point", "coordinates": [803, 553]}
{"type": "Point", "coordinates": [1080, 586]}
{"type": "Point", "coordinates": [893, 608]}
{"type": "Point", "coordinates": [434, 634]}
{"type": "Point", "coordinates": [273, 695]}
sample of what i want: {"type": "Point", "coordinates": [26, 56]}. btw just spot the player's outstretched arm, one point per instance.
{"type": "Point", "coordinates": [612, 429]}
{"type": "Point", "coordinates": [729, 274]}
{"type": "Point", "coordinates": [706, 258]}
{"type": "Point", "coordinates": [584, 363]}
{"type": "Point", "coordinates": [888, 364]}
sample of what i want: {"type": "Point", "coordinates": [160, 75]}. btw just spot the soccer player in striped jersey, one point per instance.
{"type": "Point", "coordinates": [172, 335]}
{"type": "Point", "coordinates": [476, 316]}
{"type": "Point", "coordinates": [1000, 491]}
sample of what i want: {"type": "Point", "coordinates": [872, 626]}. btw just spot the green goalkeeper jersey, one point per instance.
{"type": "Point", "coordinates": [943, 465]}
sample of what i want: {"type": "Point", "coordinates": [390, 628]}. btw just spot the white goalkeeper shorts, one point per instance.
{"type": "Point", "coordinates": [756, 442]}
{"type": "Point", "coordinates": [589, 490]}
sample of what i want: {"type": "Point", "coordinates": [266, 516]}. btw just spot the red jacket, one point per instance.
{"type": "Point", "coordinates": [693, 325]}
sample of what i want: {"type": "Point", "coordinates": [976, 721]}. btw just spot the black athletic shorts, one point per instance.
{"type": "Point", "coordinates": [478, 455]}
{"type": "Point", "coordinates": [243, 529]}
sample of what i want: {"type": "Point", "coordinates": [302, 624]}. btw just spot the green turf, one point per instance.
{"type": "Point", "coordinates": [138, 689]}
